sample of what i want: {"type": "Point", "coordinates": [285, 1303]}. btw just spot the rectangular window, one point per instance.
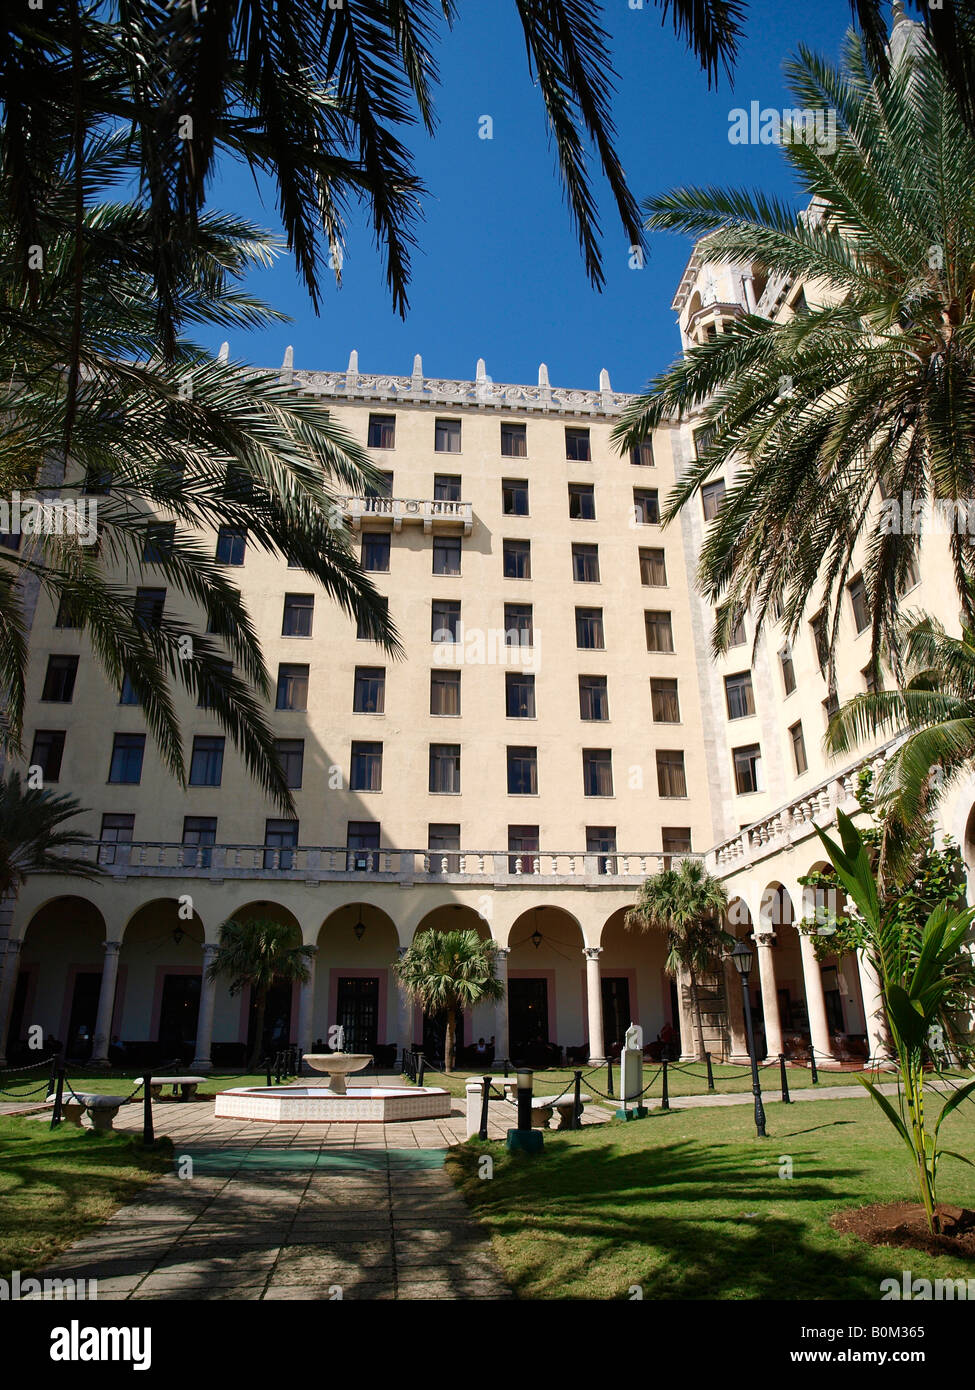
{"type": "Point", "coordinates": [831, 705]}
{"type": "Point", "coordinates": [158, 544]}
{"type": "Point", "coordinates": [98, 482]}
{"type": "Point", "coordinates": [522, 849]}
{"type": "Point", "coordinates": [362, 625]}
{"type": "Point", "coordinates": [522, 771]}
{"type": "Point", "coordinates": [148, 608]}
{"type": "Point", "coordinates": [128, 694]}
{"type": "Point", "coordinates": [366, 772]}
{"type": "Point", "coordinates": [517, 559]}
{"type": "Point", "coordinates": [445, 620]}
{"type": "Point", "coordinates": [375, 552]}
{"type": "Point", "coordinates": [127, 754]}
{"type": "Point", "coordinates": [299, 610]}
{"type": "Point", "coordinates": [67, 616]}
{"type": "Point", "coordinates": [589, 629]}
{"type": "Point", "coordinates": [858, 602]}
{"type": "Point", "coordinates": [382, 487]}
{"type": "Point", "coordinates": [10, 540]}
{"type": "Point", "coordinates": [703, 439]}
{"type": "Point", "coordinates": [208, 687]}
{"type": "Point", "coordinates": [514, 441]}
{"type": "Point", "coordinates": [281, 841]}
{"type": "Point", "coordinates": [292, 687]}
{"type": "Point", "coordinates": [788, 670]}
{"type": "Point", "coordinates": [445, 693]}
{"type": "Point", "coordinates": [518, 628]}
{"type": "Point", "coordinates": [601, 840]}
{"type": "Point", "coordinates": [676, 839]}
{"type": "Point", "coordinates": [59, 679]}
{"type": "Point", "coordinates": [642, 455]}
{"type": "Point", "coordinates": [671, 777]}
{"type": "Point", "coordinates": [870, 683]}
{"type": "Point", "coordinates": [369, 691]}
{"type": "Point", "coordinates": [519, 695]}
{"type": "Point", "coordinates": [445, 769]}
{"type": "Point", "coordinates": [597, 772]}
{"type": "Point", "coordinates": [593, 698]}
{"type": "Point", "coordinates": [798, 748]}
{"type": "Point", "coordinates": [206, 762]}
{"type": "Point", "coordinates": [291, 756]}
{"type": "Point", "coordinates": [116, 830]}
{"type": "Point", "coordinates": [231, 545]}
{"type": "Point", "coordinates": [238, 485]}
{"type": "Point", "coordinates": [664, 704]}
{"type": "Point", "coordinates": [748, 768]}
{"type": "Point", "coordinates": [712, 495]}
{"type": "Point", "coordinates": [362, 841]}
{"type": "Point", "coordinates": [739, 695]}
{"type": "Point", "coordinates": [582, 501]}
{"type": "Point", "coordinates": [382, 431]}
{"type": "Point", "coordinates": [585, 564]}
{"type": "Point", "coordinates": [446, 437]}
{"type": "Point", "coordinates": [912, 575]}
{"type": "Point", "coordinates": [646, 506]}
{"type": "Point", "coordinates": [514, 496]}
{"type": "Point", "coordinates": [577, 443]}
{"type": "Point", "coordinates": [47, 752]}
{"type": "Point", "coordinates": [739, 633]}
{"type": "Point", "coordinates": [441, 839]}
{"type": "Point", "coordinates": [199, 837]}
{"type": "Point", "coordinates": [446, 487]}
{"type": "Point", "coordinates": [660, 634]}
{"type": "Point", "coordinates": [446, 554]}
{"type": "Point", "coordinates": [820, 640]}
{"type": "Point", "coordinates": [653, 568]}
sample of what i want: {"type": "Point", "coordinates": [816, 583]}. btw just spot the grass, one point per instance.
{"type": "Point", "coordinates": [690, 1205]}
{"type": "Point", "coordinates": [123, 1083]}
{"type": "Point", "coordinates": [57, 1185]}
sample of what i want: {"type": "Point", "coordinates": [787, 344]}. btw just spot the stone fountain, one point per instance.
{"type": "Point", "coordinates": [337, 1065]}
{"type": "Point", "coordinates": [333, 1103]}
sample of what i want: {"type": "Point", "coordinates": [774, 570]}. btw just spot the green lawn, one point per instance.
{"type": "Point", "coordinates": [123, 1084]}
{"type": "Point", "coordinates": [55, 1186]}
{"type": "Point", "coordinates": [689, 1204]}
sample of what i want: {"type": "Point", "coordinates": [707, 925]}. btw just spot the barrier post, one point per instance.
{"type": "Point", "coordinates": [148, 1135]}
{"type": "Point", "coordinates": [577, 1108]}
{"type": "Point", "coordinates": [783, 1078]}
{"type": "Point", "coordinates": [665, 1095]}
{"type": "Point", "coordinates": [421, 1063]}
{"type": "Point", "coordinates": [58, 1097]}
{"type": "Point", "coordinates": [707, 1058]}
{"type": "Point", "coordinates": [482, 1133]}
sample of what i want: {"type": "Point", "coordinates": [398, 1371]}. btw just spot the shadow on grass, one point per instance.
{"type": "Point", "coordinates": [687, 1219]}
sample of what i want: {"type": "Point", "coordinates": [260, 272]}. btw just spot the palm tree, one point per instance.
{"type": "Point", "coordinates": [449, 970]}
{"type": "Point", "coordinates": [259, 952]}
{"type": "Point", "coordinates": [935, 704]}
{"type": "Point", "coordinates": [864, 397]}
{"type": "Point", "coordinates": [686, 903]}
{"type": "Point", "coordinates": [33, 836]}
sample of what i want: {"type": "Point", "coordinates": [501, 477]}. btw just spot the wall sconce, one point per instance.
{"type": "Point", "coordinates": [359, 929]}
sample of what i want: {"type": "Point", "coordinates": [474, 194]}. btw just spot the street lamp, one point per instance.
{"type": "Point", "coordinates": [742, 959]}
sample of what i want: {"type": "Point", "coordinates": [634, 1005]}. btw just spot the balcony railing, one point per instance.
{"type": "Point", "coordinates": [317, 864]}
{"type": "Point", "coordinates": [799, 818]}
{"type": "Point", "coordinates": [432, 513]}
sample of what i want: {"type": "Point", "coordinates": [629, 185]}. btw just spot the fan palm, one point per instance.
{"type": "Point", "coordinates": [868, 395]}
{"type": "Point", "coordinates": [686, 904]}
{"type": "Point", "coordinates": [935, 705]}
{"type": "Point", "coordinates": [34, 836]}
{"type": "Point", "coordinates": [449, 970]}
{"type": "Point", "coordinates": [258, 953]}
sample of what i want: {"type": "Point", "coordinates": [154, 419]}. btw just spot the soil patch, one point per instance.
{"type": "Point", "coordinates": [904, 1223]}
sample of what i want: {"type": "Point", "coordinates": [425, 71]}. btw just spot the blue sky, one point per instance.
{"type": "Point", "coordinates": [498, 273]}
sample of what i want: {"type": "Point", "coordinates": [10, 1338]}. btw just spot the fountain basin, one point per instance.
{"type": "Point", "coordinates": [320, 1105]}
{"type": "Point", "coordinates": [338, 1065]}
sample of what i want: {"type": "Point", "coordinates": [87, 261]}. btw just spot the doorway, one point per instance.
{"type": "Point", "coordinates": [528, 1015]}
{"type": "Point", "coordinates": [178, 1014]}
{"type": "Point", "coordinates": [616, 1013]}
{"type": "Point", "coordinates": [358, 1012]}
{"type": "Point", "coordinates": [277, 1019]}
{"type": "Point", "coordinates": [84, 1014]}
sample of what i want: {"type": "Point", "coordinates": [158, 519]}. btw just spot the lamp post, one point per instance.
{"type": "Point", "coordinates": [742, 959]}
{"type": "Point", "coordinates": [524, 1138]}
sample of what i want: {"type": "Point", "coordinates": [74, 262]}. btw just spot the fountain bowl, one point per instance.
{"type": "Point", "coordinates": [302, 1105]}
{"type": "Point", "coordinates": [337, 1065]}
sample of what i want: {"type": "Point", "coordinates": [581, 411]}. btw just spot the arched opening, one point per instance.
{"type": "Point", "coordinates": [160, 973]}
{"type": "Point", "coordinates": [476, 1028]}
{"type": "Point", "coordinates": [59, 981]}
{"type": "Point", "coordinates": [636, 988]}
{"type": "Point", "coordinates": [547, 1015]}
{"type": "Point", "coordinates": [840, 974]}
{"type": "Point", "coordinates": [777, 915]}
{"type": "Point", "coordinates": [355, 988]}
{"type": "Point", "coordinates": [238, 1017]}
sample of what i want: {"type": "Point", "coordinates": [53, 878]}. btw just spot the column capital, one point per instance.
{"type": "Point", "coordinates": [312, 948]}
{"type": "Point", "coordinates": [504, 951]}
{"type": "Point", "coordinates": [401, 951]}
{"type": "Point", "coordinates": [210, 948]}
{"type": "Point", "coordinates": [592, 952]}
{"type": "Point", "coordinates": [12, 944]}
{"type": "Point", "coordinates": [111, 947]}
{"type": "Point", "coordinates": [764, 938]}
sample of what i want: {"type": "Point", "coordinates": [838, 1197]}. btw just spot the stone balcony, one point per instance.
{"type": "Point", "coordinates": [434, 514]}
{"type": "Point", "coordinates": [406, 867]}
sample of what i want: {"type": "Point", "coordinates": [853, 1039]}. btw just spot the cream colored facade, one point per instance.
{"type": "Point", "coordinates": [546, 865]}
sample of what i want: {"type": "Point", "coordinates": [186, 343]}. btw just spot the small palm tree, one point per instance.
{"type": "Point", "coordinates": [449, 970]}
{"type": "Point", "coordinates": [686, 903]}
{"type": "Point", "coordinates": [259, 952]}
{"type": "Point", "coordinates": [936, 704]}
{"type": "Point", "coordinates": [32, 836]}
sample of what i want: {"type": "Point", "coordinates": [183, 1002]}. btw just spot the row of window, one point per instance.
{"type": "Point", "coordinates": [447, 434]}
{"type": "Point", "coordinates": [363, 838]}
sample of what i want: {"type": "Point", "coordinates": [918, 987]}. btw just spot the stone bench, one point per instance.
{"type": "Point", "coordinates": [187, 1085]}
{"type": "Point", "coordinates": [542, 1107]}
{"type": "Point", "coordinates": [101, 1110]}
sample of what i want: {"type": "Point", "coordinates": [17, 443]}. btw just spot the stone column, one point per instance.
{"type": "Point", "coordinates": [815, 999]}
{"type": "Point", "coordinates": [306, 1009]}
{"type": "Point", "coordinates": [204, 1022]}
{"type": "Point", "coordinates": [873, 1010]}
{"type": "Point", "coordinates": [594, 997]}
{"type": "Point", "coordinates": [770, 999]}
{"type": "Point", "coordinates": [106, 1003]}
{"type": "Point", "coordinates": [8, 981]}
{"type": "Point", "coordinates": [405, 1020]}
{"type": "Point", "coordinates": [501, 1008]}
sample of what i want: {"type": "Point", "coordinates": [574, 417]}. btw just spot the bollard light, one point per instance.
{"type": "Point", "coordinates": [524, 1138]}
